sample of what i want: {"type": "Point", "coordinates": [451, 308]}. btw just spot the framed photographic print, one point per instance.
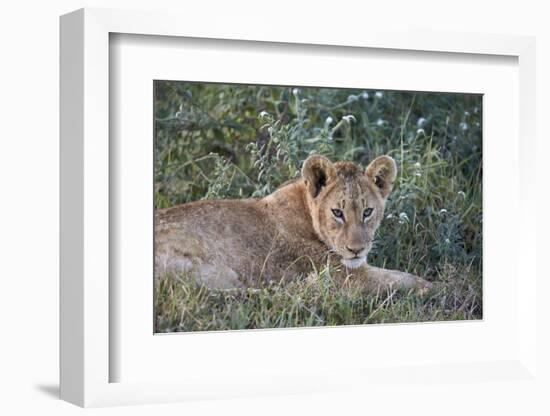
{"type": "Point", "coordinates": [273, 214]}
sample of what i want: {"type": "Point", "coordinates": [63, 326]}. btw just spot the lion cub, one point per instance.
{"type": "Point", "coordinates": [329, 215]}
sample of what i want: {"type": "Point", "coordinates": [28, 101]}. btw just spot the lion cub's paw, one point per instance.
{"type": "Point", "coordinates": [421, 286]}
{"type": "Point", "coordinates": [414, 283]}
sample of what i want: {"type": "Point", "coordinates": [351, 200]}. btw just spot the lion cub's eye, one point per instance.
{"type": "Point", "coordinates": [338, 214]}
{"type": "Point", "coordinates": [366, 214]}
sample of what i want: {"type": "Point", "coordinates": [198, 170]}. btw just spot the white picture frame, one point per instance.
{"type": "Point", "coordinates": [85, 355]}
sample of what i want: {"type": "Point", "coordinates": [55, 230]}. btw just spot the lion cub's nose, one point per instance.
{"type": "Point", "coordinates": [355, 249]}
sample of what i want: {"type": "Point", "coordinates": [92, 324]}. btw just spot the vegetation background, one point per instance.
{"type": "Point", "coordinates": [215, 141]}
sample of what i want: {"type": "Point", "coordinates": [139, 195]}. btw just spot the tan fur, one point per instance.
{"type": "Point", "coordinates": [288, 234]}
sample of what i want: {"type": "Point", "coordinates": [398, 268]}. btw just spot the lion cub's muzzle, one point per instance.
{"type": "Point", "coordinates": [356, 255]}
{"type": "Point", "coordinates": [355, 262]}
{"type": "Point", "coordinates": [355, 250]}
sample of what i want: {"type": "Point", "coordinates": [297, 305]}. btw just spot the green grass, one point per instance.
{"type": "Point", "coordinates": [229, 141]}
{"type": "Point", "coordinates": [311, 301]}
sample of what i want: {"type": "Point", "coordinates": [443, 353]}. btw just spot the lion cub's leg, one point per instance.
{"type": "Point", "coordinates": [216, 276]}
{"type": "Point", "coordinates": [211, 275]}
{"type": "Point", "coordinates": [386, 279]}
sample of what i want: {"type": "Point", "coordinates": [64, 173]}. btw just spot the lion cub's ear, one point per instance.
{"type": "Point", "coordinates": [317, 171]}
{"type": "Point", "coordinates": [382, 172]}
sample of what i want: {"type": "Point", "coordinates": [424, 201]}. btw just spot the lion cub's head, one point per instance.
{"type": "Point", "coordinates": [347, 203]}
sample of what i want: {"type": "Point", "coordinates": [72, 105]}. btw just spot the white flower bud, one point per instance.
{"type": "Point", "coordinates": [420, 122]}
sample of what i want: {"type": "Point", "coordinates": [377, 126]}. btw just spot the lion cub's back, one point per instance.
{"type": "Point", "coordinates": [222, 217]}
